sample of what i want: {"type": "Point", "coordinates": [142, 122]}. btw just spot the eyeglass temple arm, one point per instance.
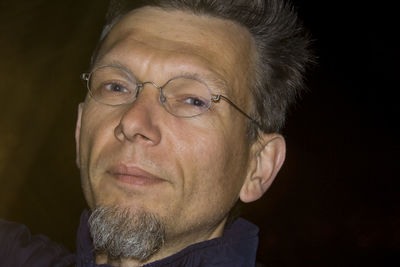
{"type": "Point", "coordinates": [217, 98]}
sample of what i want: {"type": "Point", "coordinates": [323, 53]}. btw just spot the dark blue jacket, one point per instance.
{"type": "Point", "coordinates": [236, 248]}
{"type": "Point", "coordinates": [19, 248]}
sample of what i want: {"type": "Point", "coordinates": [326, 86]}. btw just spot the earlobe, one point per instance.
{"type": "Point", "coordinates": [78, 132]}
{"type": "Point", "coordinates": [268, 155]}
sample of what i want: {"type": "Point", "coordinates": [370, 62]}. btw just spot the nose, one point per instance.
{"type": "Point", "coordinates": [140, 120]}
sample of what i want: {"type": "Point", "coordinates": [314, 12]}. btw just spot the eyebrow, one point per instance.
{"type": "Point", "coordinates": [213, 81]}
{"type": "Point", "coordinates": [115, 63]}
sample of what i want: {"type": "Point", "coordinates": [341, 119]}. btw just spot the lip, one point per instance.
{"type": "Point", "coordinates": [132, 175]}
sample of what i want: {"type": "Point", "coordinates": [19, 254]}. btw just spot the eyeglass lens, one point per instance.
{"type": "Point", "coordinates": [181, 96]}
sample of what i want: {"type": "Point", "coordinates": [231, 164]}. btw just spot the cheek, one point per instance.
{"type": "Point", "coordinates": [90, 131]}
{"type": "Point", "coordinates": [215, 163]}
{"type": "Point", "coordinates": [96, 131]}
{"type": "Point", "coordinates": [97, 128]}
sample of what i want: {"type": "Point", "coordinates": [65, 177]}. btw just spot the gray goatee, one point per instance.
{"type": "Point", "coordinates": [124, 233]}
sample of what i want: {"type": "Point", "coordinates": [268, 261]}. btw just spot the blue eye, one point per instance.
{"type": "Point", "coordinates": [116, 88]}
{"type": "Point", "coordinates": [195, 101]}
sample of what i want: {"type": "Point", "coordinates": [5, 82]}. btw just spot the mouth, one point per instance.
{"type": "Point", "coordinates": [132, 175]}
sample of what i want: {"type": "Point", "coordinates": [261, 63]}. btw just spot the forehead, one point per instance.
{"type": "Point", "coordinates": [178, 41]}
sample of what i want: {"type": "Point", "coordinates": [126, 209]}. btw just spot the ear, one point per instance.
{"type": "Point", "coordinates": [78, 132]}
{"type": "Point", "coordinates": [267, 155]}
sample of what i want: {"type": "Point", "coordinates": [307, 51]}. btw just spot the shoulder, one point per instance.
{"type": "Point", "coordinates": [19, 248]}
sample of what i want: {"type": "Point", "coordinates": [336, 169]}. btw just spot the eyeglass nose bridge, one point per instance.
{"type": "Point", "coordinates": [140, 87]}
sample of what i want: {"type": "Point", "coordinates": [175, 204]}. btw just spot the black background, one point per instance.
{"type": "Point", "coordinates": [335, 203]}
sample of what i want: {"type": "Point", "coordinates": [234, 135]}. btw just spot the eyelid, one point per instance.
{"type": "Point", "coordinates": [215, 84]}
{"type": "Point", "coordinates": [118, 82]}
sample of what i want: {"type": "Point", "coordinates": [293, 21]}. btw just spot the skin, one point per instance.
{"type": "Point", "coordinates": [199, 166]}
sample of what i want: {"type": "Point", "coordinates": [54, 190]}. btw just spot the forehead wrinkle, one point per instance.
{"type": "Point", "coordinates": [235, 39]}
{"type": "Point", "coordinates": [185, 52]}
{"type": "Point", "coordinates": [221, 32]}
{"type": "Point", "coordinates": [200, 65]}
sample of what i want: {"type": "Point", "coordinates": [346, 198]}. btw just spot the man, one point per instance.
{"type": "Point", "coordinates": [186, 100]}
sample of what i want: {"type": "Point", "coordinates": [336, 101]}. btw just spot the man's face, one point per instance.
{"type": "Point", "coordinates": [187, 171]}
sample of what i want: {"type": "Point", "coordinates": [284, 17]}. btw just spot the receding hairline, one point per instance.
{"type": "Point", "coordinates": [118, 19]}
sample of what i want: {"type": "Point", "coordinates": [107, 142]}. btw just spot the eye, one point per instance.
{"type": "Point", "coordinates": [115, 88]}
{"type": "Point", "coordinates": [195, 101]}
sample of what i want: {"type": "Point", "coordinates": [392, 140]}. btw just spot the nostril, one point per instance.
{"type": "Point", "coordinates": [119, 133]}
{"type": "Point", "coordinates": [138, 123]}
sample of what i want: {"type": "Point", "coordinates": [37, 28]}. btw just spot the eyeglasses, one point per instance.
{"type": "Point", "coordinates": [182, 96]}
